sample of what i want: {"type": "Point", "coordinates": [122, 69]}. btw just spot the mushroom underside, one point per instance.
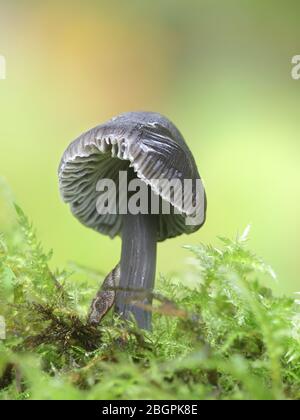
{"type": "Point", "coordinates": [78, 184]}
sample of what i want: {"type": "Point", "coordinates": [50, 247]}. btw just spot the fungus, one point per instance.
{"type": "Point", "coordinates": [149, 148]}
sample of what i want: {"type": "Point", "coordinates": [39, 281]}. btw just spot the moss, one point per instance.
{"type": "Point", "coordinates": [228, 337]}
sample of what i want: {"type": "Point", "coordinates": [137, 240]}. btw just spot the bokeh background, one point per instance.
{"type": "Point", "coordinates": [221, 70]}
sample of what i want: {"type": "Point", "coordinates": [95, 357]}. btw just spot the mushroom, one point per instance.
{"type": "Point", "coordinates": [147, 147]}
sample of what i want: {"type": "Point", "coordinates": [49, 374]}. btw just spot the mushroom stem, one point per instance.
{"type": "Point", "coordinates": [138, 265]}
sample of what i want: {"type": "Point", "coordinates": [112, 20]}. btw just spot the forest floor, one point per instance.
{"type": "Point", "coordinates": [227, 337]}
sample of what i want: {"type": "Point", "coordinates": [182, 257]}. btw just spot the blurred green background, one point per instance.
{"type": "Point", "coordinates": [221, 70]}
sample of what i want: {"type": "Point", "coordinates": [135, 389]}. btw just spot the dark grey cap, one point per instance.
{"type": "Point", "coordinates": [145, 141]}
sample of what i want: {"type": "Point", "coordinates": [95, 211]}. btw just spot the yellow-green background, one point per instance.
{"type": "Point", "coordinates": [221, 70]}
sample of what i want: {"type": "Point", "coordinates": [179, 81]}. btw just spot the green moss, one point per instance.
{"type": "Point", "coordinates": [226, 338]}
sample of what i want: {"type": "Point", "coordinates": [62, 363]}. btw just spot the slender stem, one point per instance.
{"type": "Point", "coordinates": [138, 265]}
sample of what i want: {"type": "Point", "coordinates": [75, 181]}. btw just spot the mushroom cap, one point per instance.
{"type": "Point", "coordinates": [145, 141]}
